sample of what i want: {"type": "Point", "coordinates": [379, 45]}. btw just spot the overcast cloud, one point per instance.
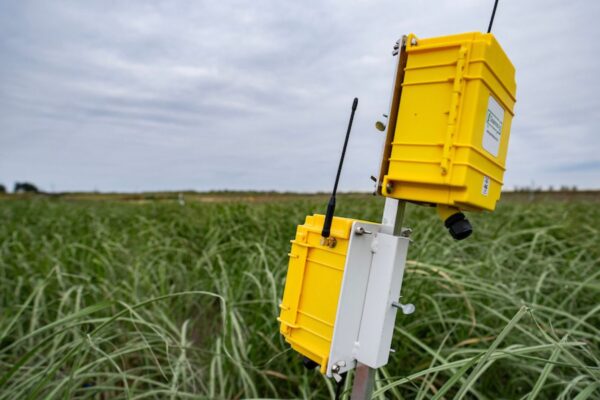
{"type": "Point", "coordinates": [151, 95]}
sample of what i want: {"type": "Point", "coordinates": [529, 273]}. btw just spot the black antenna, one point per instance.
{"type": "Point", "coordinates": [493, 15]}
{"type": "Point", "coordinates": [331, 205]}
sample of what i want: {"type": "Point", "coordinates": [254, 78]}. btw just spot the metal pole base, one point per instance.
{"type": "Point", "coordinates": [364, 381]}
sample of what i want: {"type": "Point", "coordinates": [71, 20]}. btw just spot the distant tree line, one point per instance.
{"type": "Point", "coordinates": [21, 187]}
{"type": "Point", "coordinates": [25, 187]}
{"type": "Point", "coordinates": [528, 189]}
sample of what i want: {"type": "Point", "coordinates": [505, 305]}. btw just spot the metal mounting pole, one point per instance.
{"type": "Point", "coordinates": [364, 381]}
{"type": "Point", "coordinates": [364, 376]}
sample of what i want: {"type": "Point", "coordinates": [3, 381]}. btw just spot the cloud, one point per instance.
{"type": "Point", "coordinates": [256, 95]}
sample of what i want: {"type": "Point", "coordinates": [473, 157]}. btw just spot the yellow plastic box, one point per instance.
{"type": "Point", "coordinates": [453, 123]}
{"type": "Point", "coordinates": [312, 288]}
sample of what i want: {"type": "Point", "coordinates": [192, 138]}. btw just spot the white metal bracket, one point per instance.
{"type": "Point", "coordinates": [369, 295]}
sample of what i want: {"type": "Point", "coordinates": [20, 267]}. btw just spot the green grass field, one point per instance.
{"type": "Point", "coordinates": [110, 300]}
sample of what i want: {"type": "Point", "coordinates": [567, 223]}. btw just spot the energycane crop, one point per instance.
{"type": "Point", "coordinates": [111, 300]}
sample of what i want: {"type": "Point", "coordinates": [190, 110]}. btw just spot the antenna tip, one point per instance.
{"type": "Point", "coordinates": [355, 103]}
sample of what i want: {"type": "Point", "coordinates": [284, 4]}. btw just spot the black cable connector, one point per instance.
{"type": "Point", "coordinates": [459, 226]}
{"type": "Point", "coordinates": [308, 363]}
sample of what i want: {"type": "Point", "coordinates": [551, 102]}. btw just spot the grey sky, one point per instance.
{"type": "Point", "coordinates": [149, 95]}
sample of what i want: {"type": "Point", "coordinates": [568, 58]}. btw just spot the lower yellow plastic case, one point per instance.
{"type": "Point", "coordinates": [312, 288]}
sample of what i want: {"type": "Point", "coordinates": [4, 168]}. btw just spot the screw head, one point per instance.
{"type": "Point", "coordinates": [361, 231]}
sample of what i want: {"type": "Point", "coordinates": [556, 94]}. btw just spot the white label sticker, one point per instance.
{"type": "Point", "coordinates": [485, 188]}
{"type": "Point", "coordinates": [492, 129]}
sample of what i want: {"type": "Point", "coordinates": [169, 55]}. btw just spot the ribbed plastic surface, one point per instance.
{"type": "Point", "coordinates": [312, 288]}
{"type": "Point", "coordinates": [453, 122]}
